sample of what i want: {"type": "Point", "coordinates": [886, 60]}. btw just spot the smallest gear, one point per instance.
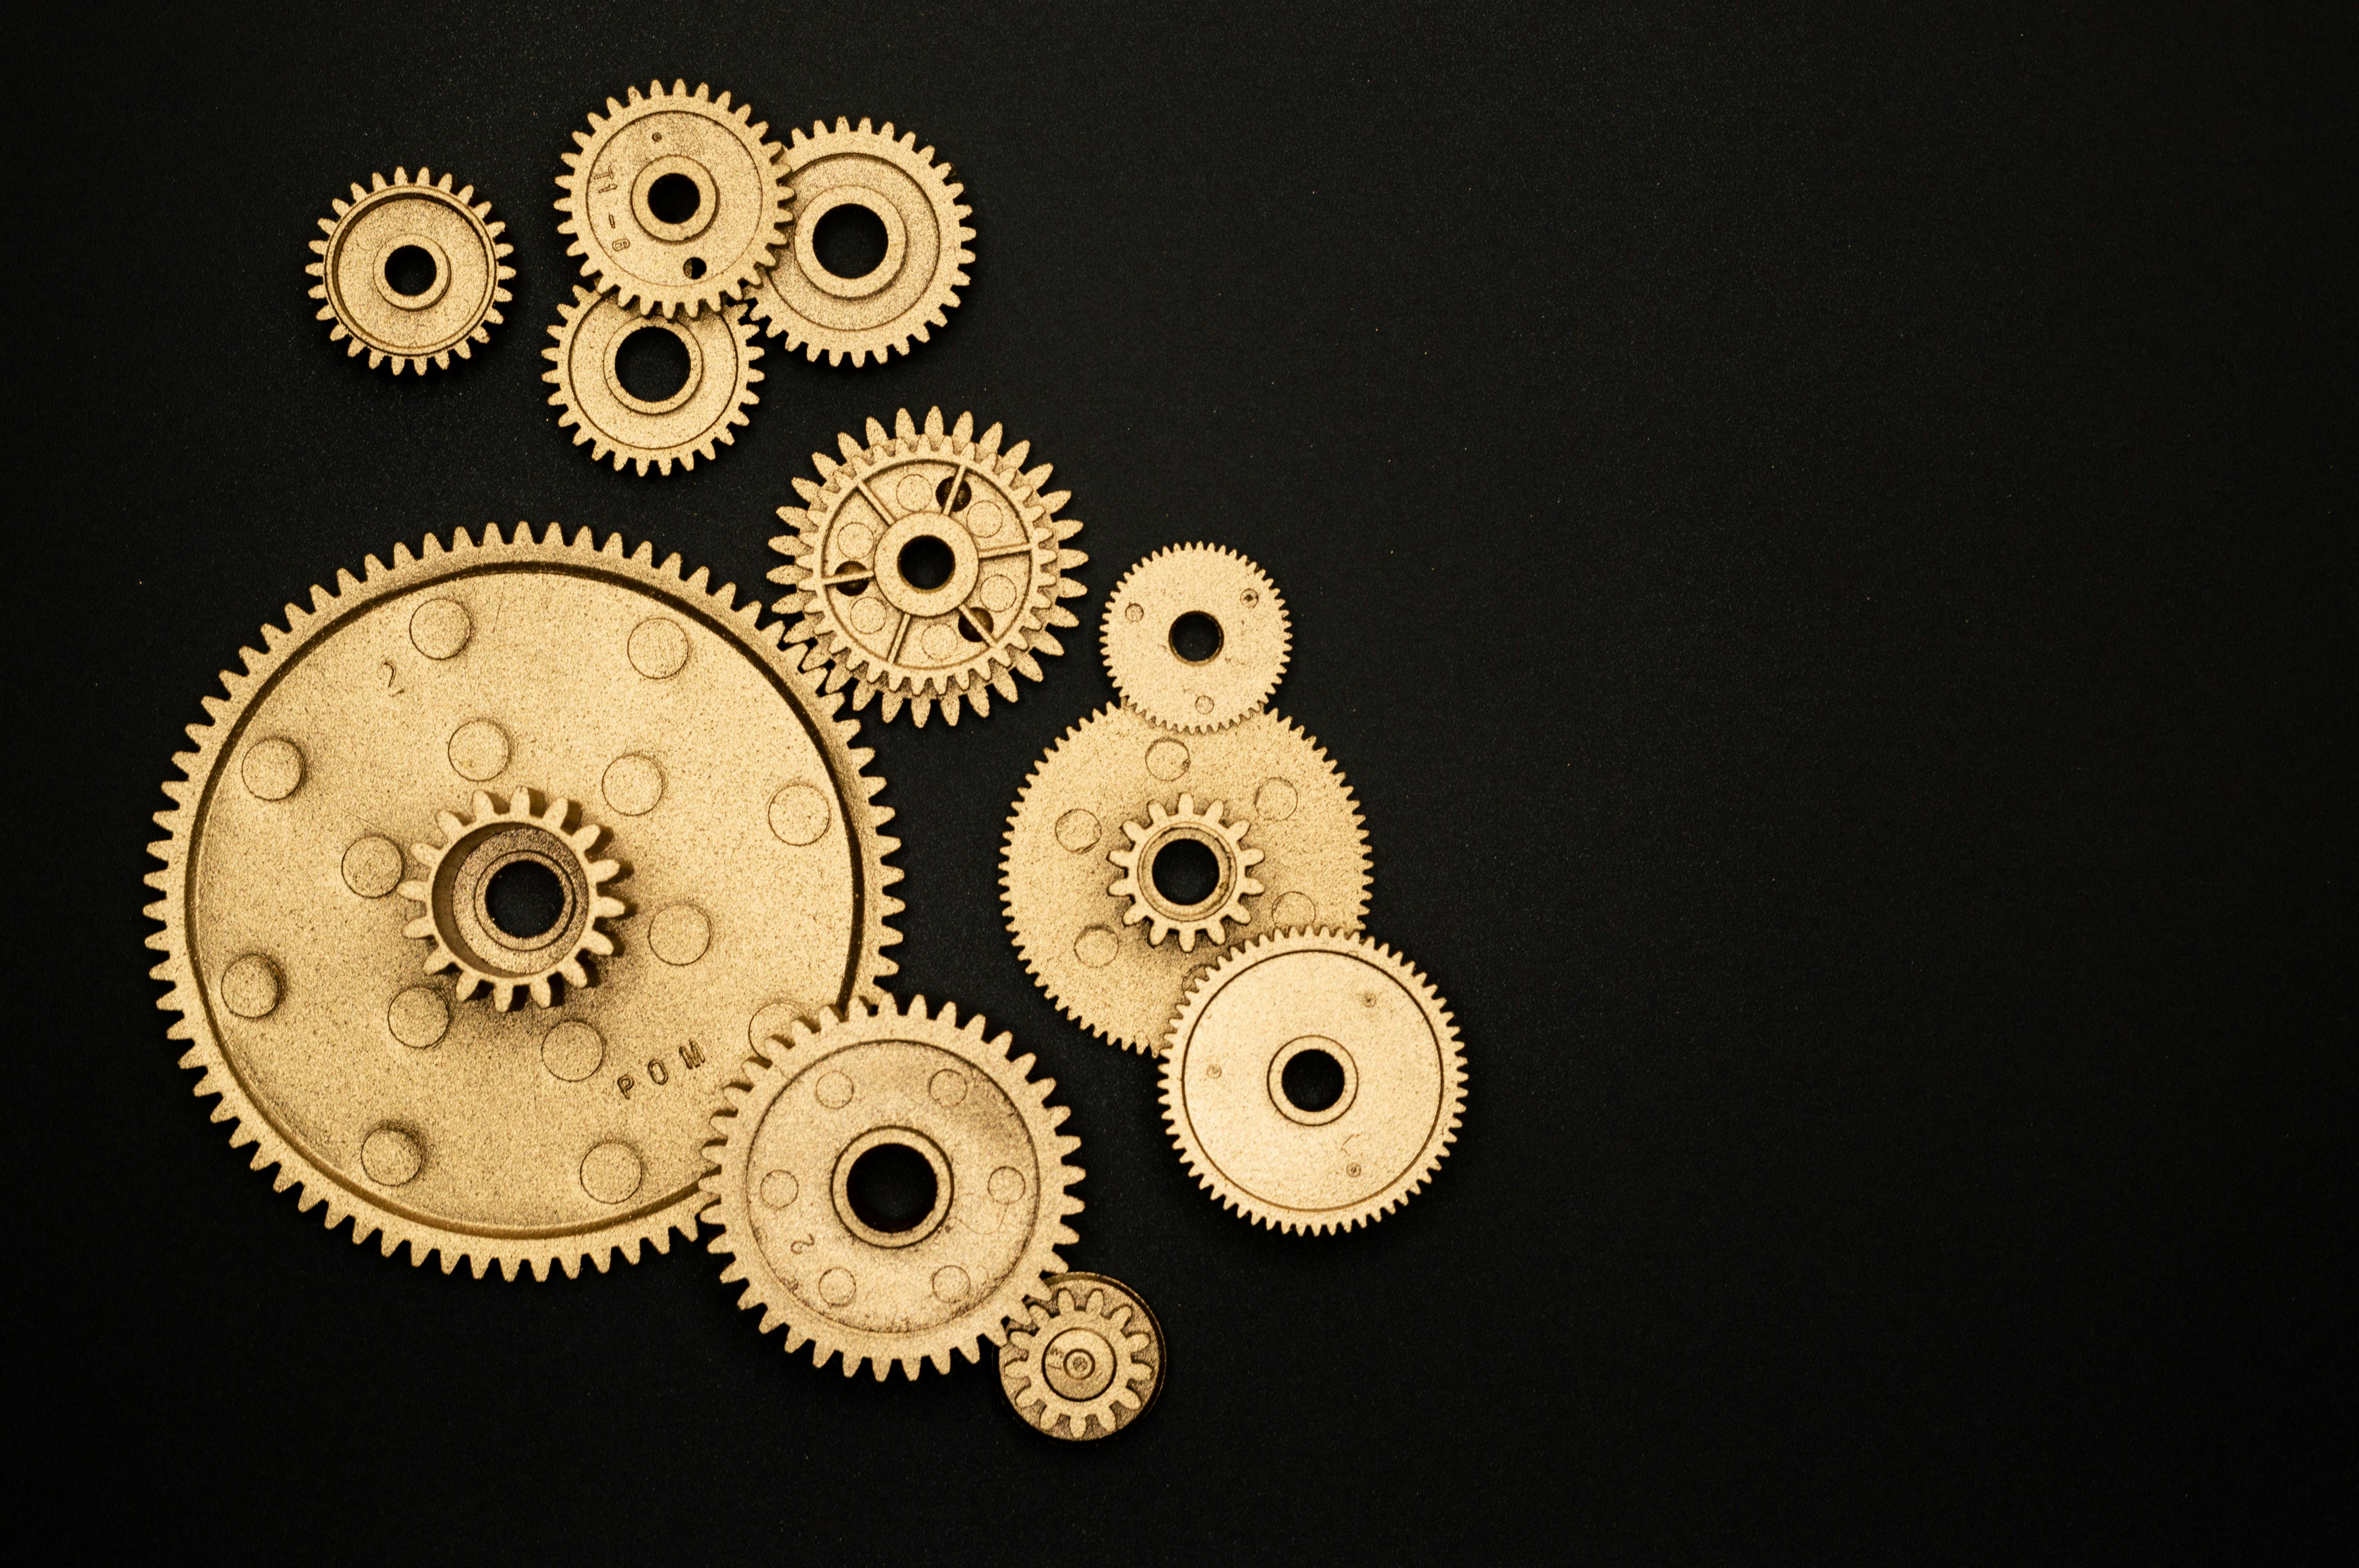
{"type": "Point", "coordinates": [1085, 1361]}
{"type": "Point", "coordinates": [679, 427]}
{"type": "Point", "coordinates": [1195, 637]}
{"type": "Point", "coordinates": [456, 896]}
{"type": "Point", "coordinates": [411, 271]}
{"type": "Point", "coordinates": [1159, 898]}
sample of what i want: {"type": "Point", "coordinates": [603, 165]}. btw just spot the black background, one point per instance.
{"type": "Point", "coordinates": [1821, 543]}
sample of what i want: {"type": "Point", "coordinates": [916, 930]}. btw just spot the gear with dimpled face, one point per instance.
{"type": "Point", "coordinates": [1085, 1361]}
{"type": "Point", "coordinates": [866, 1287]}
{"type": "Point", "coordinates": [382, 228]}
{"type": "Point", "coordinates": [1195, 637]}
{"type": "Point", "coordinates": [706, 407]}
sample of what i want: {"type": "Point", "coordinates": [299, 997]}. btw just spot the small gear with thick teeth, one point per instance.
{"type": "Point", "coordinates": [1195, 637]}
{"type": "Point", "coordinates": [1201, 916]}
{"type": "Point", "coordinates": [456, 892]}
{"type": "Point", "coordinates": [411, 271]}
{"type": "Point", "coordinates": [706, 409]}
{"type": "Point", "coordinates": [1085, 1361]}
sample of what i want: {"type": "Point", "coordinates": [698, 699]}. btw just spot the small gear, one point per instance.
{"type": "Point", "coordinates": [784, 1173]}
{"type": "Point", "coordinates": [676, 202]}
{"type": "Point", "coordinates": [411, 271]}
{"type": "Point", "coordinates": [1085, 1361]}
{"type": "Point", "coordinates": [456, 897]}
{"type": "Point", "coordinates": [1300, 1162]}
{"type": "Point", "coordinates": [945, 511]}
{"type": "Point", "coordinates": [707, 408]}
{"type": "Point", "coordinates": [1276, 794]}
{"type": "Point", "coordinates": [909, 291]}
{"type": "Point", "coordinates": [1201, 916]}
{"type": "Point", "coordinates": [1195, 637]}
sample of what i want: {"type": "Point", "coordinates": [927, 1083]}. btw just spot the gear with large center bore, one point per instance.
{"type": "Point", "coordinates": [411, 271]}
{"type": "Point", "coordinates": [707, 407]}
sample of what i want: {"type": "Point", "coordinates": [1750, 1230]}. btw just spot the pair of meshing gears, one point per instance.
{"type": "Point", "coordinates": [410, 271]}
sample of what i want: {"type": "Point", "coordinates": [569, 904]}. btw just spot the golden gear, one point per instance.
{"type": "Point", "coordinates": [1086, 1361]}
{"type": "Point", "coordinates": [1278, 792]}
{"type": "Point", "coordinates": [549, 671]}
{"type": "Point", "coordinates": [1198, 917]}
{"type": "Point", "coordinates": [729, 219]}
{"type": "Point", "coordinates": [910, 290]}
{"type": "Point", "coordinates": [783, 1170]}
{"type": "Point", "coordinates": [997, 540]}
{"type": "Point", "coordinates": [1147, 619]}
{"type": "Point", "coordinates": [451, 312]}
{"type": "Point", "coordinates": [679, 428]}
{"type": "Point", "coordinates": [1263, 1152]}
{"type": "Point", "coordinates": [457, 893]}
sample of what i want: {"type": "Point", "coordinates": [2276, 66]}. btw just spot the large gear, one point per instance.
{"type": "Point", "coordinates": [707, 408]}
{"type": "Point", "coordinates": [996, 538]}
{"type": "Point", "coordinates": [743, 886]}
{"type": "Point", "coordinates": [457, 301]}
{"type": "Point", "coordinates": [1234, 607]}
{"type": "Point", "coordinates": [1320, 1167]}
{"type": "Point", "coordinates": [1273, 791]}
{"type": "Point", "coordinates": [783, 1173]}
{"type": "Point", "coordinates": [910, 290]}
{"type": "Point", "coordinates": [1087, 1359]}
{"type": "Point", "coordinates": [731, 217]}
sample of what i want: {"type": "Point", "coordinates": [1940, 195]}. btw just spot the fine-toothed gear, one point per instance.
{"type": "Point", "coordinates": [869, 1286]}
{"type": "Point", "coordinates": [738, 874]}
{"type": "Point", "coordinates": [676, 202]}
{"type": "Point", "coordinates": [1276, 792]}
{"type": "Point", "coordinates": [411, 271]}
{"type": "Point", "coordinates": [907, 293]}
{"type": "Point", "coordinates": [926, 565]}
{"type": "Point", "coordinates": [1199, 915]}
{"type": "Point", "coordinates": [1085, 1361]}
{"type": "Point", "coordinates": [1195, 637]}
{"type": "Point", "coordinates": [1242, 1092]}
{"type": "Point", "coordinates": [681, 428]}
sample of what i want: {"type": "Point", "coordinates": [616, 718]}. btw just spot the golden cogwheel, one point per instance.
{"type": "Point", "coordinates": [1249, 1124]}
{"type": "Point", "coordinates": [641, 843]}
{"type": "Point", "coordinates": [906, 294]}
{"type": "Point", "coordinates": [1119, 794]}
{"type": "Point", "coordinates": [926, 565]}
{"type": "Point", "coordinates": [1086, 1361]}
{"type": "Point", "coordinates": [675, 202]}
{"type": "Point", "coordinates": [681, 427]}
{"type": "Point", "coordinates": [867, 1088]}
{"type": "Point", "coordinates": [411, 271]}
{"type": "Point", "coordinates": [1195, 637]}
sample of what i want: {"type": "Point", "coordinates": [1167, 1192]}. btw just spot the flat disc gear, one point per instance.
{"type": "Point", "coordinates": [928, 566]}
{"type": "Point", "coordinates": [1073, 875]}
{"type": "Point", "coordinates": [356, 983]}
{"type": "Point", "coordinates": [783, 1186]}
{"type": "Point", "coordinates": [1086, 1359]}
{"type": "Point", "coordinates": [458, 273]}
{"type": "Point", "coordinates": [914, 286]}
{"type": "Point", "coordinates": [676, 202]}
{"type": "Point", "coordinates": [1311, 1162]}
{"type": "Point", "coordinates": [1231, 603]}
{"type": "Point", "coordinates": [707, 408]}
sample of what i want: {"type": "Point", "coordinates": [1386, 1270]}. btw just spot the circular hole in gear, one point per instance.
{"type": "Point", "coordinates": [891, 1187]}
{"type": "Point", "coordinates": [525, 899]}
{"type": "Point", "coordinates": [849, 241]}
{"type": "Point", "coordinates": [694, 268]}
{"type": "Point", "coordinates": [926, 562]}
{"type": "Point", "coordinates": [1313, 1080]}
{"type": "Point", "coordinates": [1196, 637]}
{"type": "Point", "coordinates": [652, 363]}
{"type": "Point", "coordinates": [410, 270]}
{"type": "Point", "coordinates": [674, 199]}
{"type": "Point", "coordinates": [1186, 872]}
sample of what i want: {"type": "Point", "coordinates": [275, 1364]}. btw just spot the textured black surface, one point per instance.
{"type": "Point", "coordinates": [1822, 545]}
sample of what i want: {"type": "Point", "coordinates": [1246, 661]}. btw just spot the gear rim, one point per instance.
{"type": "Point", "coordinates": [474, 312]}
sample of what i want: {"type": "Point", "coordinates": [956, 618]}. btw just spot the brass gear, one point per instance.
{"type": "Point", "coordinates": [908, 292]}
{"type": "Point", "coordinates": [708, 407]}
{"type": "Point", "coordinates": [1205, 916]}
{"type": "Point", "coordinates": [1343, 1164]}
{"type": "Point", "coordinates": [452, 313]}
{"type": "Point", "coordinates": [1086, 1359]}
{"type": "Point", "coordinates": [781, 1172]}
{"type": "Point", "coordinates": [1141, 638]}
{"type": "Point", "coordinates": [1274, 785]}
{"type": "Point", "coordinates": [718, 248]}
{"type": "Point", "coordinates": [975, 631]}
{"type": "Point", "coordinates": [348, 1054]}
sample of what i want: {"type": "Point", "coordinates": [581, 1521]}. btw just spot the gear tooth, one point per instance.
{"type": "Point", "coordinates": [877, 435]}
{"type": "Point", "coordinates": [1016, 454]}
{"type": "Point", "coordinates": [933, 421]}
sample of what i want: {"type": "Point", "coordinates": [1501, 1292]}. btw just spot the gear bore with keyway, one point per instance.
{"type": "Point", "coordinates": [1086, 1359]}
{"type": "Point", "coordinates": [489, 871]}
{"type": "Point", "coordinates": [679, 427]}
{"type": "Point", "coordinates": [411, 271]}
{"type": "Point", "coordinates": [1175, 598]}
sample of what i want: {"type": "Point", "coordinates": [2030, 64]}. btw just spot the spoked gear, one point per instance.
{"type": "Point", "coordinates": [1169, 602]}
{"type": "Point", "coordinates": [1201, 916]}
{"type": "Point", "coordinates": [444, 241]}
{"type": "Point", "coordinates": [1295, 1161]}
{"type": "Point", "coordinates": [706, 409]}
{"type": "Point", "coordinates": [716, 174]}
{"type": "Point", "coordinates": [783, 1173]}
{"type": "Point", "coordinates": [864, 535]}
{"type": "Point", "coordinates": [540, 671]}
{"type": "Point", "coordinates": [909, 291]}
{"type": "Point", "coordinates": [1085, 1361]}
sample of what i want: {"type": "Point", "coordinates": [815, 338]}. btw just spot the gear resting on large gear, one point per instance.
{"type": "Point", "coordinates": [1085, 1361]}
{"type": "Point", "coordinates": [459, 276]}
{"type": "Point", "coordinates": [784, 1177]}
{"type": "Point", "coordinates": [857, 559]}
{"type": "Point", "coordinates": [681, 427]}
{"type": "Point", "coordinates": [1187, 591]}
{"type": "Point", "coordinates": [371, 1047]}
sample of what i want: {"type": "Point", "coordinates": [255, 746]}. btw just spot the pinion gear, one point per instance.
{"type": "Point", "coordinates": [1200, 918]}
{"type": "Point", "coordinates": [379, 229]}
{"type": "Point", "coordinates": [1086, 1360]}
{"type": "Point", "coordinates": [707, 408]}
{"type": "Point", "coordinates": [1147, 621]}
{"type": "Point", "coordinates": [455, 899]}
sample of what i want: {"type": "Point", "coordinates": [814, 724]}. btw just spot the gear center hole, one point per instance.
{"type": "Point", "coordinates": [1196, 637]}
{"type": "Point", "coordinates": [1312, 1080]}
{"type": "Point", "coordinates": [891, 1188]}
{"type": "Point", "coordinates": [410, 270]}
{"type": "Point", "coordinates": [850, 240]}
{"type": "Point", "coordinates": [674, 199]}
{"type": "Point", "coordinates": [525, 899]}
{"type": "Point", "coordinates": [652, 363]}
{"type": "Point", "coordinates": [1186, 872]}
{"type": "Point", "coordinates": [926, 562]}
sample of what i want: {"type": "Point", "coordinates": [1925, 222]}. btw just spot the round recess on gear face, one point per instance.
{"type": "Point", "coordinates": [411, 271]}
{"type": "Point", "coordinates": [680, 422]}
{"type": "Point", "coordinates": [1085, 1361]}
{"type": "Point", "coordinates": [1195, 637]}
